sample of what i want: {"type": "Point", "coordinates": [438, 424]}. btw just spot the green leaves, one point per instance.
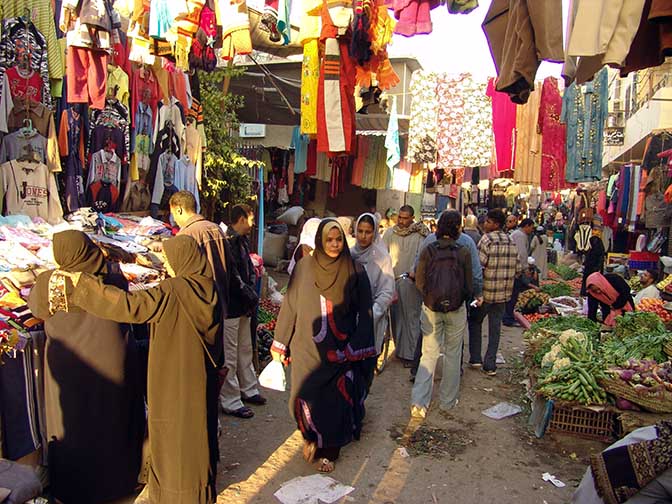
{"type": "Point", "coordinates": [226, 179]}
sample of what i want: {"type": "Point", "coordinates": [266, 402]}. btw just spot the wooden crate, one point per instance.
{"type": "Point", "coordinates": [583, 422]}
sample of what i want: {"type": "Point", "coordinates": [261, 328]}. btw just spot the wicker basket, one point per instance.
{"type": "Point", "coordinates": [668, 346]}
{"type": "Point", "coordinates": [658, 401]}
{"type": "Point", "coordinates": [582, 422]}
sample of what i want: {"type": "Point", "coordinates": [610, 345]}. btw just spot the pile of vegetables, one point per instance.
{"type": "Point", "coordinates": [635, 323]}
{"type": "Point", "coordinates": [564, 272]}
{"type": "Point", "coordinates": [531, 300]}
{"type": "Point", "coordinates": [635, 284]}
{"type": "Point", "coordinates": [656, 306]}
{"type": "Point", "coordinates": [543, 334]}
{"type": "Point", "coordinates": [645, 375]}
{"type": "Point", "coordinates": [570, 370]}
{"type": "Point", "coordinates": [556, 289]}
{"type": "Point", "coordinates": [267, 316]}
{"type": "Point", "coordinates": [535, 317]}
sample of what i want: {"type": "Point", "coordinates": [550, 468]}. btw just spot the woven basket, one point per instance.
{"type": "Point", "coordinates": [668, 348]}
{"type": "Point", "coordinates": [658, 401]}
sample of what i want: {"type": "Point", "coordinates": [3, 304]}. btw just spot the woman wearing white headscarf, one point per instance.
{"type": "Point", "coordinates": [374, 257]}
{"type": "Point", "coordinates": [306, 243]}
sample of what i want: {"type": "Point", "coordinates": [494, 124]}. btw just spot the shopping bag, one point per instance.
{"type": "Point", "coordinates": [273, 376]}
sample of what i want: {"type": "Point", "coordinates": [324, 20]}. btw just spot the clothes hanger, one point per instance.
{"type": "Point", "coordinates": [27, 130]}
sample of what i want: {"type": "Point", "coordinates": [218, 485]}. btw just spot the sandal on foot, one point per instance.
{"type": "Point", "coordinates": [255, 399]}
{"type": "Point", "coordinates": [326, 466]}
{"type": "Point", "coordinates": [309, 450]}
{"type": "Point", "coordinates": [243, 412]}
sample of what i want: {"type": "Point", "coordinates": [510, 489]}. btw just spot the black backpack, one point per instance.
{"type": "Point", "coordinates": [444, 279]}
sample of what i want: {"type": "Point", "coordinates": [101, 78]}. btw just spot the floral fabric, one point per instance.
{"type": "Point", "coordinates": [423, 127]}
{"type": "Point", "coordinates": [553, 139]}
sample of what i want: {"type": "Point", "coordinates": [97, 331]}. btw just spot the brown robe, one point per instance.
{"type": "Point", "coordinates": [95, 413]}
{"type": "Point", "coordinates": [184, 318]}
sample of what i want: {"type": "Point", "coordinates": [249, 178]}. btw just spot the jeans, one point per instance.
{"type": "Point", "coordinates": [441, 333]}
{"type": "Point", "coordinates": [494, 312]}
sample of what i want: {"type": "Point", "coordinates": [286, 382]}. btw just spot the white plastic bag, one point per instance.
{"type": "Point", "coordinates": [273, 377]}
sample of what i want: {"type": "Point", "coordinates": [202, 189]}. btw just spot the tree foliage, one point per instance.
{"type": "Point", "coordinates": [226, 181]}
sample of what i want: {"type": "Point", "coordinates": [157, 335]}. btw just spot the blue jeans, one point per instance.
{"type": "Point", "coordinates": [442, 333]}
{"type": "Point", "coordinates": [494, 312]}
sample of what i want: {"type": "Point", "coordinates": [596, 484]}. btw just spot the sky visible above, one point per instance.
{"type": "Point", "coordinates": [457, 44]}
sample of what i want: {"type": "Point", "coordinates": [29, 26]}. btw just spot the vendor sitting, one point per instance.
{"type": "Point", "coordinates": [530, 276]}
{"type": "Point", "coordinates": [647, 279]}
{"type": "Point", "coordinates": [613, 294]}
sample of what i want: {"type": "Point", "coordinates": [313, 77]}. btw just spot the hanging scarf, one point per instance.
{"type": "Point", "coordinates": [619, 473]}
{"type": "Point", "coordinates": [335, 277]}
{"type": "Point", "coordinates": [416, 227]}
{"type": "Point", "coordinates": [608, 296]}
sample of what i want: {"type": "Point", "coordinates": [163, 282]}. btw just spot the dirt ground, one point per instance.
{"type": "Point", "coordinates": [479, 460]}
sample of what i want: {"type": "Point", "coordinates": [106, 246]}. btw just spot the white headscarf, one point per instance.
{"type": "Point", "coordinates": [363, 255]}
{"type": "Point", "coordinates": [377, 262]}
{"type": "Point", "coordinates": [307, 237]}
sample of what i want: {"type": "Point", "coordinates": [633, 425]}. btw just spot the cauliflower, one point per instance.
{"type": "Point", "coordinates": [551, 356]}
{"type": "Point", "coordinates": [565, 336]}
{"type": "Point", "coordinates": [561, 364]}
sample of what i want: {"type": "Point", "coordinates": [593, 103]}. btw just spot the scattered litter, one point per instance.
{"type": "Point", "coordinates": [573, 456]}
{"type": "Point", "coordinates": [315, 489]}
{"type": "Point", "coordinates": [403, 452]}
{"type": "Point", "coordinates": [500, 359]}
{"type": "Point", "coordinates": [502, 410]}
{"type": "Point", "coordinates": [488, 389]}
{"type": "Point", "coordinates": [552, 479]}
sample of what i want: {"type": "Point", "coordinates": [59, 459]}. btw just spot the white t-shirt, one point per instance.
{"type": "Point", "coordinates": [650, 292]}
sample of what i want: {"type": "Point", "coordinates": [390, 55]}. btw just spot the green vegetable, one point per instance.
{"type": "Point", "coordinates": [557, 289]}
{"type": "Point", "coordinates": [616, 351]}
{"type": "Point", "coordinates": [559, 324]}
{"type": "Point", "coordinates": [634, 323]}
{"type": "Point", "coordinates": [565, 272]}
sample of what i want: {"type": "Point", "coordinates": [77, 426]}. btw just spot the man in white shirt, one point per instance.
{"type": "Point", "coordinates": [647, 279]}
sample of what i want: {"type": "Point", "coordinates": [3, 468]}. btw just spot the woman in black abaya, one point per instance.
{"type": "Point", "coordinates": [331, 343]}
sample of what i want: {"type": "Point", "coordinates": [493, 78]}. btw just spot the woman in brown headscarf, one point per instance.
{"type": "Point", "coordinates": [331, 343]}
{"type": "Point", "coordinates": [184, 319]}
{"type": "Point", "coordinates": [94, 408]}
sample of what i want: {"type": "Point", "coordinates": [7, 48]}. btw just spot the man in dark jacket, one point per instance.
{"type": "Point", "coordinates": [241, 381]}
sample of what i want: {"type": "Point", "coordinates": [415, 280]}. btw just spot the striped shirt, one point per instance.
{"type": "Point", "coordinates": [499, 258]}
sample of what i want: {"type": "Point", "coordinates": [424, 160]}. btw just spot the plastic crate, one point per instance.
{"type": "Point", "coordinates": [642, 265]}
{"type": "Point", "coordinates": [583, 422]}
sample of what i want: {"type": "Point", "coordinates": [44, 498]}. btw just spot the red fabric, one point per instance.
{"type": "Point", "coordinates": [311, 159]}
{"type": "Point", "coordinates": [87, 76]}
{"type": "Point", "coordinates": [20, 86]}
{"type": "Point", "coordinates": [503, 125]}
{"type": "Point", "coordinates": [178, 87]}
{"type": "Point", "coordinates": [347, 77]}
{"type": "Point", "coordinates": [360, 160]}
{"type": "Point", "coordinates": [414, 18]}
{"type": "Point", "coordinates": [553, 137]}
{"type": "Point", "coordinates": [144, 88]}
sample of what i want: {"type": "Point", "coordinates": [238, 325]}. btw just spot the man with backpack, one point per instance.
{"type": "Point", "coordinates": [445, 281]}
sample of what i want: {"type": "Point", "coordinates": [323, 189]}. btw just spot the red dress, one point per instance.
{"type": "Point", "coordinates": [503, 124]}
{"type": "Point", "coordinates": [553, 138]}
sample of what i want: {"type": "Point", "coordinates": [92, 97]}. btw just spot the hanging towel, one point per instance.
{"type": "Point", "coordinates": [392, 143]}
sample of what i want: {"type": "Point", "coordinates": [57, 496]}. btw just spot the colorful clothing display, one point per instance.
{"type": "Point", "coordinates": [423, 128]}
{"type": "Point", "coordinates": [528, 142]}
{"type": "Point", "coordinates": [554, 137]}
{"type": "Point", "coordinates": [504, 126]}
{"type": "Point", "coordinates": [584, 111]}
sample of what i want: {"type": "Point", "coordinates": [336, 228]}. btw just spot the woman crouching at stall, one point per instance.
{"type": "Point", "coordinates": [326, 327]}
{"type": "Point", "coordinates": [613, 294]}
{"type": "Point", "coordinates": [184, 318]}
